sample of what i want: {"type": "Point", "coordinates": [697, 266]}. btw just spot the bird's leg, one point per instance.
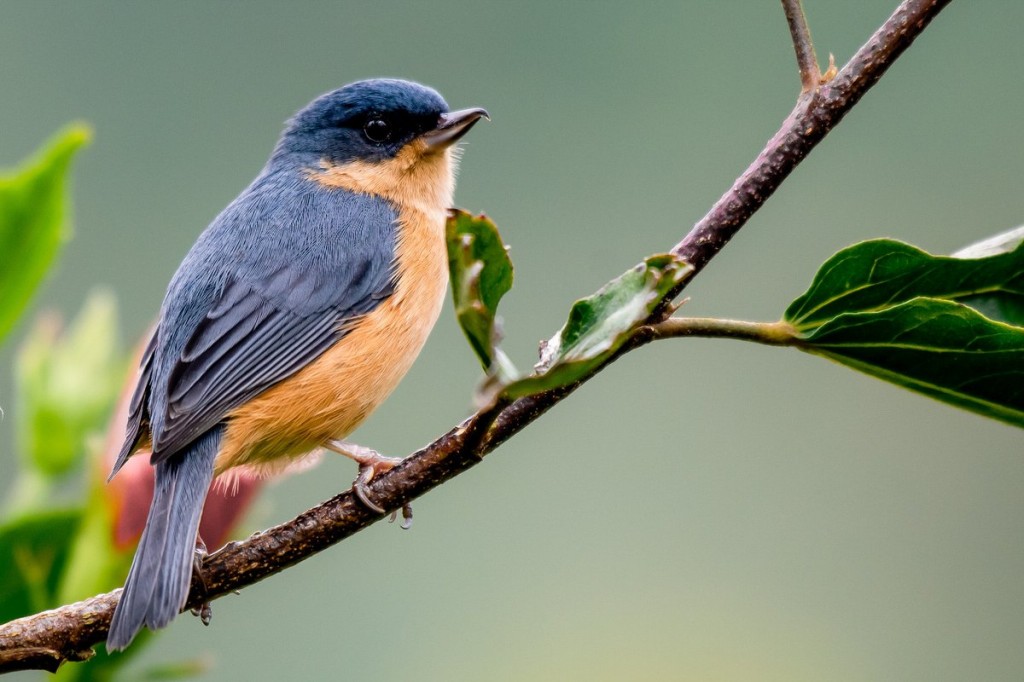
{"type": "Point", "coordinates": [370, 463]}
{"type": "Point", "coordinates": [204, 611]}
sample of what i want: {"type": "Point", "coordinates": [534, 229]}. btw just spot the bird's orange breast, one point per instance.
{"type": "Point", "coordinates": [331, 396]}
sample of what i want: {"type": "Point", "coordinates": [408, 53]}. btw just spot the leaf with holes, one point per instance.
{"type": "Point", "coordinates": [481, 273]}
{"type": "Point", "coordinates": [600, 324]}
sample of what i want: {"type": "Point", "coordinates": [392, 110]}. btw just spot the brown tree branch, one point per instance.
{"type": "Point", "coordinates": [44, 640]}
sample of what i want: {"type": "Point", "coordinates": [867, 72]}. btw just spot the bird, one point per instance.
{"type": "Point", "coordinates": [293, 316]}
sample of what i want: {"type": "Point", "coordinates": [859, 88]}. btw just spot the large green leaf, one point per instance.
{"type": "Point", "coordinates": [1000, 305]}
{"type": "Point", "coordinates": [481, 273]}
{"type": "Point", "coordinates": [32, 222]}
{"type": "Point", "coordinates": [881, 273]}
{"type": "Point", "coordinates": [600, 324]}
{"type": "Point", "coordinates": [939, 325]}
{"type": "Point", "coordinates": [943, 349]}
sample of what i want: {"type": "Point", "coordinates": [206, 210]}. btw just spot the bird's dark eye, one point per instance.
{"type": "Point", "coordinates": [377, 130]}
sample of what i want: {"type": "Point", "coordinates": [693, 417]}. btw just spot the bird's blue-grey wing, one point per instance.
{"type": "Point", "coordinates": [138, 417]}
{"type": "Point", "coordinates": [244, 326]}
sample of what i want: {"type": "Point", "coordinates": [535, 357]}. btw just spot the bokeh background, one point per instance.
{"type": "Point", "coordinates": [703, 510]}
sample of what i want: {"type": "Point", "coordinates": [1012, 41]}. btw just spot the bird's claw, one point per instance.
{"type": "Point", "coordinates": [204, 612]}
{"type": "Point", "coordinates": [406, 516]}
{"type": "Point", "coordinates": [361, 488]}
{"type": "Point", "coordinates": [371, 463]}
{"type": "Point", "coordinates": [368, 469]}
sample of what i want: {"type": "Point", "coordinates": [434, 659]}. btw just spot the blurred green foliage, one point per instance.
{"type": "Point", "coordinates": [66, 384]}
{"type": "Point", "coordinates": [34, 549]}
{"type": "Point", "coordinates": [33, 221]}
{"type": "Point", "coordinates": [55, 529]}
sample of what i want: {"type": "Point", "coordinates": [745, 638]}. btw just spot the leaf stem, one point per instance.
{"type": "Point", "coordinates": [768, 333]}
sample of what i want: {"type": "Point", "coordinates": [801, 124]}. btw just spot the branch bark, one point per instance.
{"type": "Point", "coordinates": [45, 640]}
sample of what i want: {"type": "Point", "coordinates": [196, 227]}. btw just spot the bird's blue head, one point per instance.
{"type": "Point", "coordinates": [372, 121]}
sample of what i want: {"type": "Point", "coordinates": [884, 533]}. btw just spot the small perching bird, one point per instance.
{"type": "Point", "coordinates": [294, 315]}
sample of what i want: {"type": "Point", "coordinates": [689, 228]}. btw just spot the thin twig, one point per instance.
{"type": "Point", "coordinates": [806, 59]}
{"type": "Point", "coordinates": [802, 130]}
{"type": "Point", "coordinates": [43, 640]}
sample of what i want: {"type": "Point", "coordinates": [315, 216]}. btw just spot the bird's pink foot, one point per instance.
{"type": "Point", "coordinates": [371, 463]}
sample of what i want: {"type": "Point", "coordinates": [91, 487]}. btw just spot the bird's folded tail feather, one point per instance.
{"type": "Point", "coordinates": [161, 573]}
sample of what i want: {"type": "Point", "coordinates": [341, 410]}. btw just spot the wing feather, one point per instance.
{"type": "Point", "coordinates": [231, 330]}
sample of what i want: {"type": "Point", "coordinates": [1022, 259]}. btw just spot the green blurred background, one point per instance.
{"type": "Point", "coordinates": [703, 510]}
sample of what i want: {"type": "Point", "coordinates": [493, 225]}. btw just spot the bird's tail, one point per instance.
{"type": "Point", "coordinates": [161, 573]}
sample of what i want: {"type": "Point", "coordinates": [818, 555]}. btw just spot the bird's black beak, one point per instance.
{"type": "Point", "coordinates": [452, 126]}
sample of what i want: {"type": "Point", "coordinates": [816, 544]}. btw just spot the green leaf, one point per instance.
{"type": "Point", "coordinates": [481, 273]}
{"type": "Point", "coordinates": [939, 325]}
{"type": "Point", "coordinates": [600, 324]}
{"type": "Point", "coordinates": [881, 273]}
{"type": "Point", "coordinates": [943, 349]}
{"type": "Point", "coordinates": [1000, 305]}
{"type": "Point", "coordinates": [1004, 242]}
{"type": "Point", "coordinates": [66, 385]}
{"type": "Point", "coordinates": [33, 553]}
{"type": "Point", "coordinates": [32, 222]}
